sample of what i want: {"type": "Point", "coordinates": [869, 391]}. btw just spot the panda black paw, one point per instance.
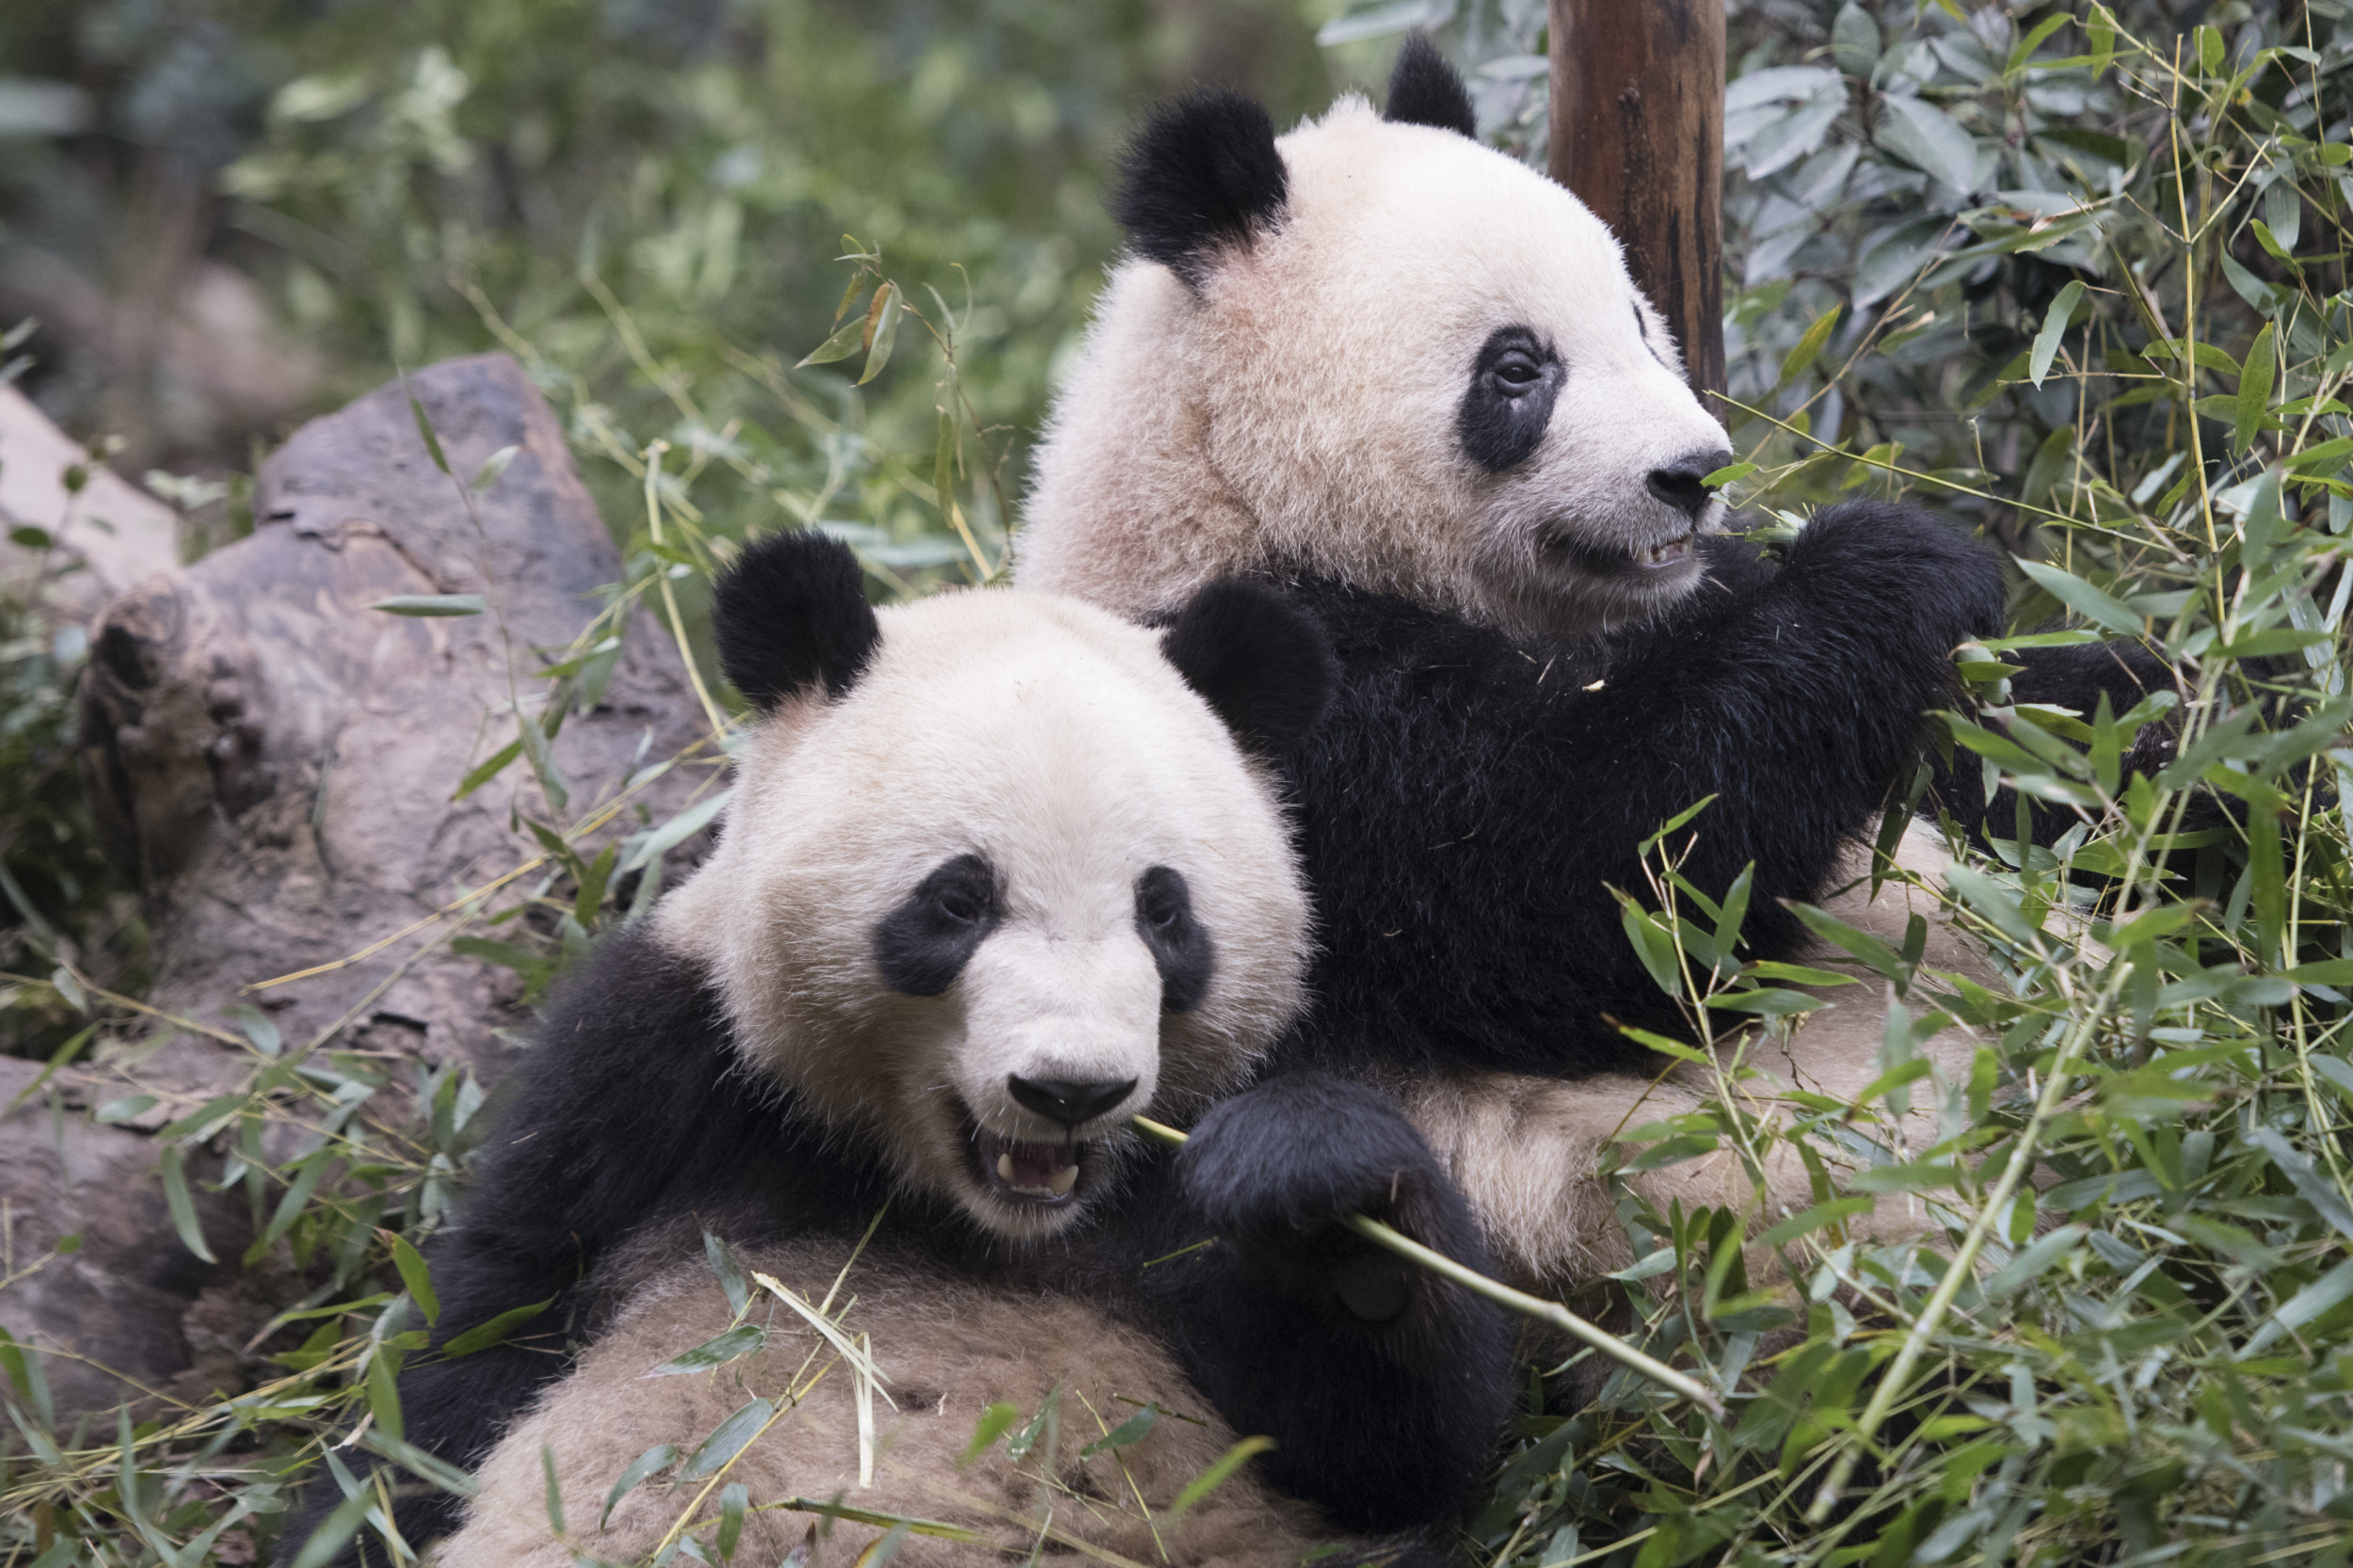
{"type": "Point", "coordinates": [1885, 566]}
{"type": "Point", "coordinates": [1273, 1170]}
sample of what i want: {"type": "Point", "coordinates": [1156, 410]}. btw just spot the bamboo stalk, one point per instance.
{"type": "Point", "coordinates": [1504, 1296]}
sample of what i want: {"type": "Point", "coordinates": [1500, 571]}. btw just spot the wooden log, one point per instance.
{"type": "Point", "coordinates": [1638, 133]}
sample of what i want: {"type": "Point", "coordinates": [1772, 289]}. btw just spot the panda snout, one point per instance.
{"type": "Point", "coordinates": [1070, 1102]}
{"type": "Point", "coordinates": [1679, 483]}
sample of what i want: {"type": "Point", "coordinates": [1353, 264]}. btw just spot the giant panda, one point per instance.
{"type": "Point", "coordinates": [999, 873]}
{"type": "Point", "coordinates": [1409, 381]}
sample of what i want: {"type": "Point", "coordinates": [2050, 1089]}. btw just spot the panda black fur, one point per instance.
{"type": "Point", "coordinates": [1409, 382]}
{"type": "Point", "coordinates": [1018, 807]}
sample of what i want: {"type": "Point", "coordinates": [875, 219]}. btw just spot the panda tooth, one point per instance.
{"type": "Point", "coordinates": [1004, 1168]}
{"type": "Point", "coordinates": [1064, 1180]}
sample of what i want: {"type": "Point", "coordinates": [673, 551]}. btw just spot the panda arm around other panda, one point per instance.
{"type": "Point", "coordinates": [1469, 800]}
{"type": "Point", "coordinates": [1383, 1385]}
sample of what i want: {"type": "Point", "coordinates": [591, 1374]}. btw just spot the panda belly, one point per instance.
{"type": "Point", "coordinates": [948, 1348]}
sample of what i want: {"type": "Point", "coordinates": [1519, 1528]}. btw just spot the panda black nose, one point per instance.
{"type": "Point", "coordinates": [1059, 1099]}
{"type": "Point", "coordinates": [1678, 484]}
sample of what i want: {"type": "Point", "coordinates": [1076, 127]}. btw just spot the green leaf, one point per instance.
{"type": "Point", "coordinates": [2100, 608]}
{"type": "Point", "coordinates": [1930, 139]}
{"type": "Point", "coordinates": [2053, 327]}
{"type": "Point", "coordinates": [417, 1278]}
{"type": "Point", "coordinates": [1209, 1479]}
{"type": "Point", "coordinates": [1854, 41]}
{"type": "Point", "coordinates": [183, 1205]}
{"type": "Point", "coordinates": [843, 343]}
{"type": "Point", "coordinates": [722, 1261]}
{"type": "Point", "coordinates": [2255, 390]}
{"type": "Point", "coordinates": [556, 1490]}
{"type": "Point", "coordinates": [657, 1458]}
{"type": "Point", "coordinates": [994, 1423]}
{"type": "Point", "coordinates": [2313, 1187]}
{"type": "Point", "coordinates": [425, 429]}
{"type": "Point", "coordinates": [432, 604]}
{"type": "Point", "coordinates": [483, 1335]}
{"type": "Point", "coordinates": [2000, 906]}
{"type": "Point", "coordinates": [1812, 1220]}
{"type": "Point", "coordinates": [736, 1343]}
{"type": "Point", "coordinates": [492, 466]}
{"type": "Point", "coordinates": [1767, 1002]}
{"type": "Point", "coordinates": [1809, 346]}
{"type": "Point", "coordinates": [882, 326]}
{"type": "Point", "coordinates": [257, 1028]}
{"type": "Point", "coordinates": [1133, 1429]}
{"type": "Point", "coordinates": [2325, 1294]}
{"type": "Point", "coordinates": [1653, 944]}
{"type": "Point", "coordinates": [1732, 471]}
{"type": "Point", "coordinates": [488, 770]}
{"type": "Point", "coordinates": [730, 1438]}
{"type": "Point", "coordinates": [733, 1501]}
{"type": "Point", "coordinates": [384, 1392]}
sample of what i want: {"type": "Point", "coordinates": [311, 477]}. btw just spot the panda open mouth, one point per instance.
{"type": "Point", "coordinates": [1044, 1174]}
{"type": "Point", "coordinates": [1674, 553]}
{"type": "Point", "coordinates": [1608, 560]}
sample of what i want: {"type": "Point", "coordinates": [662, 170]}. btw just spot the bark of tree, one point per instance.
{"type": "Point", "coordinates": [1638, 133]}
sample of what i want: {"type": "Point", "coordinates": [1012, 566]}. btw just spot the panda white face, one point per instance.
{"type": "Point", "coordinates": [1015, 884]}
{"type": "Point", "coordinates": [1402, 359]}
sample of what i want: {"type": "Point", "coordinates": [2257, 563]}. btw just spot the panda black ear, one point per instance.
{"type": "Point", "coordinates": [1260, 660]}
{"type": "Point", "coordinates": [1425, 90]}
{"type": "Point", "coordinates": [1202, 175]}
{"type": "Point", "coordinates": [789, 613]}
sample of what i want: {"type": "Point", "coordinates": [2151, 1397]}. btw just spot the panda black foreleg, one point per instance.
{"type": "Point", "coordinates": [1795, 698]}
{"type": "Point", "coordinates": [1383, 1387]}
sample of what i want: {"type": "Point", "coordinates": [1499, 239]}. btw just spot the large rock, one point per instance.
{"type": "Point", "coordinates": [274, 760]}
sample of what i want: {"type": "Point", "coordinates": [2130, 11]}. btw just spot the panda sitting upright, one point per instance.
{"type": "Point", "coordinates": [998, 876]}
{"type": "Point", "coordinates": [1408, 381]}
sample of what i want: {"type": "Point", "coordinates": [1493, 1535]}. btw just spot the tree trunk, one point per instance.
{"type": "Point", "coordinates": [1638, 133]}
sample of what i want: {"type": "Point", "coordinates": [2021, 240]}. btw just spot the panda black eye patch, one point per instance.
{"type": "Point", "coordinates": [1179, 943]}
{"type": "Point", "coordinates": [1505, 411]}
{"type": "Point", "coordinates": [924, 943]}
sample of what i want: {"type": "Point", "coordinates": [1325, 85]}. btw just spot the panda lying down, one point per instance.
{"type": "Point", "coordinates": [995, 878]}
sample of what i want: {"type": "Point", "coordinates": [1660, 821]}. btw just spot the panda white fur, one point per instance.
{"type": "Point", "coordinates": [998, 874]}
{"type": "Point", "coordinates": [1410, 380]}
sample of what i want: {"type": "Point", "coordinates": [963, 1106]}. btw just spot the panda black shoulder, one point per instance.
{"type": "Point", "coordinates": [635, 1102]}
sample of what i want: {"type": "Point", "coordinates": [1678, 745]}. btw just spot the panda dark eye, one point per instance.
{"type": "Point", "coordinates": [1518, 372]}
{"type": "Point", "coordinates": [922, 945]}
{"type": "Point", "coordinates": [1179, 944]}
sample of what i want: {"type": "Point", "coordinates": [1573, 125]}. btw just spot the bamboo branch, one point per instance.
{"type": "Point", "coordinates": [1503, 1295]}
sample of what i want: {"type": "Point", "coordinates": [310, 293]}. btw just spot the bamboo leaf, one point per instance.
{"type": "Point", "coordinates": [432, 604]}
{"type": "Point", "coordinates": [2100, 608]}
{"type": "Point", "coordinates": [416, 1277]}
{"type": "Point", "coordinates": [2053, 326]}
{"type": "Point", "coordinates": [659, 1457]}
{"type": "Point", "coordinates": [736, 1343]}
{"type": "Point", "coordinates": [882, 320]}
{"type": "Point", "coordinates": [1209, 1479]}
{"type": "Point", "coordinates": [730, 1438]}
{"type": "Point", "coordinates": [483, 1335]}
{"type": "Point", "coordinates": [183, 1205]}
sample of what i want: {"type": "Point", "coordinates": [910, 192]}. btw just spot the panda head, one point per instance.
{"type": "Point", "coordinates": [1378, 350]}
{"type": "Point", "coordinates": [999, 873]}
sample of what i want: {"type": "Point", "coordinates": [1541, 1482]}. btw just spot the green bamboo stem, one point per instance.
{"type": "Point", "coordinates": [1504, 1296]}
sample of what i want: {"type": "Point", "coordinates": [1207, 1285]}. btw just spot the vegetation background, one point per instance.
{"type": "Point", "coordinates": [2074, 272]}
